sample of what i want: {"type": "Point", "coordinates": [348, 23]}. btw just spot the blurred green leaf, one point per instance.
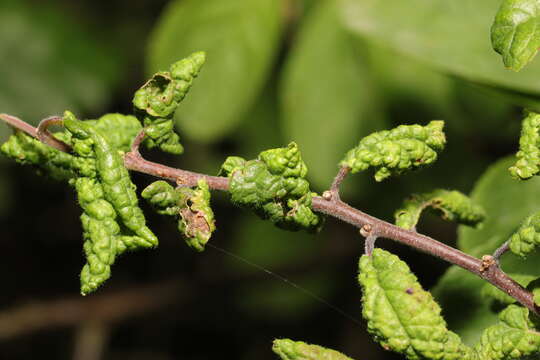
{"type": "Point", "coordinates": [241, 39]}
{"type": "Point", "coordinates": [449, 35]}
{"type": "Point", "coordinates": [327, 95]}
{"type": "Point", "coordinates": [49, 63]}
{"type": "Point", "coordinates": [456, 288]}
{"type": "Point", "coordinates": [264, 244]}
{"type": "Point", "coordinates": [277, 300]}
{"type": "Point", "coordinates": [507, 202]}
{"type": "Point", "coordinates": [515, 33]}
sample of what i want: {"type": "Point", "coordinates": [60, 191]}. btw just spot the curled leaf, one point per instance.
{"type": "Point", "coordinates": [120, 130]}
{"type": "Point", "coordinates": [515, 33]}
{"type": "Point", "coordinates": [527, 237]}
{"type": "Point", "coordinates": [452, 205]}
{"type": "Point", "coordinates": [156, 102]}
{"type": "Point", "coordinates": [392, 152]}
{"type": "Point", "coordinates": [528, 155]}
{"type": "Point", "coordinates": [163, 198]}
{"type": "Point", "coordinates": [298, 350]}
{"type": "Point", "coordinates": [514, 337]}
{"type": "Point", "coordinates": [100, 231]}
{"type": "Point", "coordinates": [196, 221]}
{"type": "Point", "coordinates": [401, 315]}
{"type": "Point", "coordinates": [114, 177]}
{"type": "Point", "coordinates": [273, 186]}
{"type": "Point", "coordinates": [231, 164]}
{"type": "Point", "coordinates": [48, 161]}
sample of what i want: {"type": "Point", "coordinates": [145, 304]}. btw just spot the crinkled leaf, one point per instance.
{"type": "Point", "coordinates": [196, 222]}
{"type": "Point", "coordinates": [240, 37]}
{"type": "Point", "coordinates": [528, 155]}
{"type": "Point", "coordinates": [156, 102]}
{"type": "Point", "coordinates": [515, 33]}
{"type": "Point", "coordinates": [120, 130]}
{"type": "Point", "coordinates": [514, 337]}
{"type": "Point", "coordinates": [327, 95]}
{"type": "Point", "coordinates": [114, 177]}
{"type": "Point", "coordinates": [297, 350]}
{"type": "Point", "coordinates": [452, 205]}
{"type": "Point", "coordinates": [163, 198]}
{"type": "Point", "coordinates": [449, 36]}
{"type": "Point", "coordinates": [48, 57]}
{"type": "Point", "coordinates": [392, 152]}
{"type": "Point", "coordinates": [527, 237]}
{"type": "Point", "coordinates": [273, 186]}
{"type": "Point", "coordinates": [401, 315]}
{"type": "Point", "coordinates": [48, 161]}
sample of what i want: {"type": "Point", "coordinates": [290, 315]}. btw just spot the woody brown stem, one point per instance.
{"type": "Point", "coordinates": [334, 207]}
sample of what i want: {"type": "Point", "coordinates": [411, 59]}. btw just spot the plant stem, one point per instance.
{"type": "Point", "coordinates": [334, 207]}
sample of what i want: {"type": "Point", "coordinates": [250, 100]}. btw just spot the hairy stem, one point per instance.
{"type": "Point", "coordinates": [334, 207]}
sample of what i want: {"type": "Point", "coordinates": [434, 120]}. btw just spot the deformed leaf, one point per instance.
{"type": "Point", "coordinates": [298, 350]}
{"type": "Point", "coordinates": [163, 198]}
{"type": "Point", "coordinates": [196, 221]}
{"type": "Point", "coordinates": [114, 177]}
{"type": "Point", "coordinates": [528, 155]}
{"type": "Point", "coordinates": [527, 237]}
{"type": "Point", "coordinates": [392, 152]}
{"type": "Point", "coordinates": [274, 187]}
{"type": "Point", "coordinates": [156, 102]}
{"type": "Point", "coordinates": [100, 231]}
{"type": "Point", "coordinates": [401, 315]}
{"type": "Point", "coordinates": [514, 337]}
{"type": "Point", "coordinates": [515, 33]}
{"type": "Point", "coordinates": [453, 206]}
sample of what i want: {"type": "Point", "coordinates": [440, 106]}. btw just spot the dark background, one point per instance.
{"type": "Point", "coordinates": [172, 303]}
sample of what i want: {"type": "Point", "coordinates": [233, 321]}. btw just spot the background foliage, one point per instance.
{"type": "Point", "coordinates": [322, 73]}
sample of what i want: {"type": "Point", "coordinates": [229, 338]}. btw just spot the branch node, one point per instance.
{"type": "Point", "coordinates": [487, 262]}
{"type": "Point", "coordinates": [327, 195]}
{"type": "Point", "coordinates": [334, 188]}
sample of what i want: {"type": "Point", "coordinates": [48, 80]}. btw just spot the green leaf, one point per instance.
{"type": "Point", "coordinates": [529, 148]}
{"type": "Point", "coordinates": [327, 96]}
{"type": "Point", "coordinates": [450, 36]}
{"type": "Point", "coordinates": [298, 350]}
{"type": "Point", "coordinates": [401, 315]}
{"type": "Point", "coordinates": [515, 33]}
{"type": "Point", "coordinates": [50, 58]}
{"type": "Point", "coordinates": [392, 152]}
{"type": "Point", "coordinates": [514, 337]}
{"type": "Point", "coordinates": [452, 205]}
{"type": "Point", "coordinates": [240, 38]}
